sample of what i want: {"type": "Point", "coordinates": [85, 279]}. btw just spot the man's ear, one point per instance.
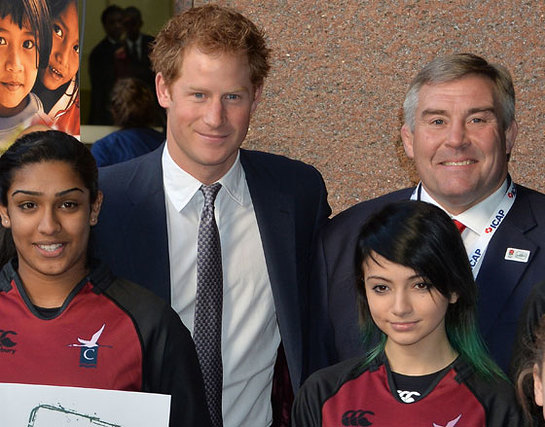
{"type": "Point", "coordinates": [538, 386]}
{"type": "Point", "coordinates": [510, 136]}
{"type": "Point", "coordinates": [6, 222]}
{"type": "Point", "coordinates": [407, 137]}
{"type": "Point", "coordinates": [257, 97]}
{"type": "Point", "coordinates": [95, 209]}
{"type": "Point", "coordinates": [162, 90]}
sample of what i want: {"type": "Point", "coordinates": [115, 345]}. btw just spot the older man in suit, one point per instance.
{"type": "Point", "coordinates": [211, 63]}
{"type": "Point", "coordinates": [459, 129]}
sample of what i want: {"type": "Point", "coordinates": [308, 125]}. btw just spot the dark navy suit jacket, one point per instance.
{"type": "Point", "coordinates": [503, 285]}
{"type": "Point", "coordinates": [290, 203]}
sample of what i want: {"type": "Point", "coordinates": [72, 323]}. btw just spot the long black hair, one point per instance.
{"type": "Point", "coordinates": [422, 237]}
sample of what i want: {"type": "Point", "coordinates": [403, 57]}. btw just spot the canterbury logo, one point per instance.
{"type": "Point", "coordinates": [408, 396]}
{"type": "Point", "coordinates": [6, 343]}
{"type": "Point", "coordinates": [451, 423]}
{"type": "Point", "coordinates": [356, 418]}
{"type": "Point", "coordinates": [5, 340]}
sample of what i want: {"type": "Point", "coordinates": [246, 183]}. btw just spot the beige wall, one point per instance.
{"type": "Point", "coordinates": [341, 68]}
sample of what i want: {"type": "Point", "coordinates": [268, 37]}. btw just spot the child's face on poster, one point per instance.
{"type": "Point", "coordinates": [18, 65]}
{"type": "Point", "coordinates": [64, 59]}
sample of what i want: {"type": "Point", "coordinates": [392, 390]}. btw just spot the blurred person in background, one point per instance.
{"type": "Point", "coordinates": [134, 109]}
{"type": "Point", "coordinates": [102, 66]}
{"type": "Point", "coordinates": [134, 60]}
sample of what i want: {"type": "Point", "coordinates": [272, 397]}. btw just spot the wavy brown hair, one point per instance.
{"type": "Point", "coordinates": [133, 104]}
{"type": "Point", "coordinates": [212, 29]}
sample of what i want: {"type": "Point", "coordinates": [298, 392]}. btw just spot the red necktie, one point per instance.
{"type": "Point", "coordinates": [461, 227]}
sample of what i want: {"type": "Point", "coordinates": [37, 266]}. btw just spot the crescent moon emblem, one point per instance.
{"type": "Point", "coordinates": [85, 354]}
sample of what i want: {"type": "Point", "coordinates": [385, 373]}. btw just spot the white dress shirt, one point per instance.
{"type": "Point", "coordinates": [250, 334]}
{"type": "Point", "coordinates": [476, 218]}
{"type": "Point", "coordinates": [136, 46]}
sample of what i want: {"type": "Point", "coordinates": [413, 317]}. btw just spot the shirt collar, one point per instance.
{"type": "Point", "coordinates": [476, 217]}
{"type": "Point", "coordinates": [134, 42]}
{"type": "Point", "coordinates": [180, 186]}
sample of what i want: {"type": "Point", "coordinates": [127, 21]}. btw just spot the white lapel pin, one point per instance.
{"type": "Point", "coordinates": [519, 255]}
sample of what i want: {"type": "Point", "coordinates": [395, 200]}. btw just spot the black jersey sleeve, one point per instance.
{"type": "Point", "coordinates": [307, 408]}
{"type": "Point", "coordinates": [170, 364]}
{"type": "Point", "coordinates": [317, 389]}
{"type": "Point", "coordinates": [499, 401]}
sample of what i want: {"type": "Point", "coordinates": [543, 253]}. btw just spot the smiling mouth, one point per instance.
{"type": "Point", "coordinates": [403, 326]}
{"type": "Point", "coordinates": [56, 73]}
{"type": "Point", "coordinates": [213, 139]}
{"type": "Point", "coordinates": [211, 136]}
{"type": "Point", "coordinates": [459, 163]}
{"type": "Point", "coordinates": [51, 247]}
{"type": "Point", "coordinates": [12, 86]}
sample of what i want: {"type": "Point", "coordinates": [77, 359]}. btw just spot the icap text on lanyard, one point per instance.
{"type": "Point", "coordinates": [477, 250]}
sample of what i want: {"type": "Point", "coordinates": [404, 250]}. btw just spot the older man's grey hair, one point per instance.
{"type": "Point", "coordinates": [454, 67]}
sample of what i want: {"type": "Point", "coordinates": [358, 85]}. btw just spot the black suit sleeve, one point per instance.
{"type": "Point", "coordinates": [320, 339]}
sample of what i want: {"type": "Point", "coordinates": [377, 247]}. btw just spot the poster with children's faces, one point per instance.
{"type": "Point", "coordinates": [39, 64]}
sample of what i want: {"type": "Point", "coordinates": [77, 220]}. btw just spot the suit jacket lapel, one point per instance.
{"type": "Point", "coordinates": [498, 277]}
{"type": "Point", "coordinates": [274, 212]}
{"type": "Point", "coordinates": [148, 216]}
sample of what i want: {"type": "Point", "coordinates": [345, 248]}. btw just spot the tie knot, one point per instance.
{"type": "Point", "coordinates": [461, 227]}
{"type": "Point", "coordinates": [210, 192]}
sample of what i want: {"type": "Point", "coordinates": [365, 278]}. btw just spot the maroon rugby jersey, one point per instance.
{"type": "Point", "coordinates": [348, 395]}
{"type": "Point", "coordinates": [109, 334]}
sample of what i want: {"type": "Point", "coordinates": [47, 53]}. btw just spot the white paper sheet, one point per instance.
{"type": "Point", "coordinates": [50, 406]}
